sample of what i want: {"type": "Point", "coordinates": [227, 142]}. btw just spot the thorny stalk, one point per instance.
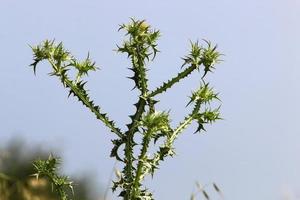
{"type": "Point", "coordinates": [140, 45]}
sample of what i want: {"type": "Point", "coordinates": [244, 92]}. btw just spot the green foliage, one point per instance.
{"type": "Point", "coordinates": [140, 46]}
{"type": "Point", "coordinates": [48, 168]}
{"type": "Point", "coordinates": [62, 61]}
{"type": "Point", "coordinates": [17, 182]}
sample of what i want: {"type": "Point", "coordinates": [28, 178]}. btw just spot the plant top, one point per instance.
{"type": "Point", "coordinates": [140, 46]}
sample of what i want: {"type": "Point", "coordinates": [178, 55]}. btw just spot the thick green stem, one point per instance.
{"type": "Point", "coordinates": [145, 145]}
{"type": "Point", "coordinates": [130, 143]}
{"type": "Point", "coordinates": [140, 70]}
{"type": "Point", "coordinates": [138, 66]}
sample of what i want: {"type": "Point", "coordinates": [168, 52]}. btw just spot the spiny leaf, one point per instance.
{"type": "Point", "coordinates": [204, 94]}
{"type": "Point", "coordinates": [194, 57]}
{"type": "Point", "coordinates": [114, 152]}
{"type": "Point", "coordinates": [157, 121]}
{"type": "Point", "coordinates": [209, 57]}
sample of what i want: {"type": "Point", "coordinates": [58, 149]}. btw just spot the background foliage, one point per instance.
{"type": "Point", "coordinates": [17, 182]}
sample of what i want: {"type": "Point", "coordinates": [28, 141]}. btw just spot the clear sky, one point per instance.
{"type": "Point", "coordinates": [252, 154]}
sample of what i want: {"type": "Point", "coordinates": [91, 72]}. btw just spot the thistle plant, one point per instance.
{"type": "Point", "coordinates": [140, 46]}
{"type": "Point", "coordinates": [48, 169]}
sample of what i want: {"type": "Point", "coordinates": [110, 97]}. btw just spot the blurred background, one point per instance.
{"type": "Point", "coordinates": [251, 154]}
{"type": "Point", "coordinates": [17, 180]}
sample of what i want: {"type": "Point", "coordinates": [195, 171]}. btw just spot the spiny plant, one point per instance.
{"type": "Point", "coordinates": [48, 168]}
{"type": "Point", "coordinates": [140, 45]}
{"type": "Point", "coordinates": [15, 183]}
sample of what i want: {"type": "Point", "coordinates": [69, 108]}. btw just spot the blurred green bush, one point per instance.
{"type": "Point", "coordinates": [16, 182]}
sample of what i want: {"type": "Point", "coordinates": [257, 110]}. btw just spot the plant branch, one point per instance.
{"type": "Point", "coordinates": [132, 128]}
{"type": "Point", "coordinates": [171, 82]}
{"type": "Point", "coordinates": [141, 162]}
{"type": "Point", "coordinates": [82, 96]}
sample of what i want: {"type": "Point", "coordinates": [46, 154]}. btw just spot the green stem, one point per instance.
{"type": "Point", "coordinates": [186, 122]}
{"type": "Point", "coordinates": [182, 125]}
{"type": "Point", "coordinates": [174, 80]}
{"type": "Point", "coordinates": [88, 103]}
{"type": "Point", "coordinates": [129, 143]}
{"type": "Point", "coordinates": [180, 128]}
{"type": "Point", "coordinates": [145, 144]}
{"type": "Point", "coordinates": [142, 72]}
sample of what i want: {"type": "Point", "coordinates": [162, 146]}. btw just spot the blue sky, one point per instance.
{"type": "Point", "coordinates": [252, 154]}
